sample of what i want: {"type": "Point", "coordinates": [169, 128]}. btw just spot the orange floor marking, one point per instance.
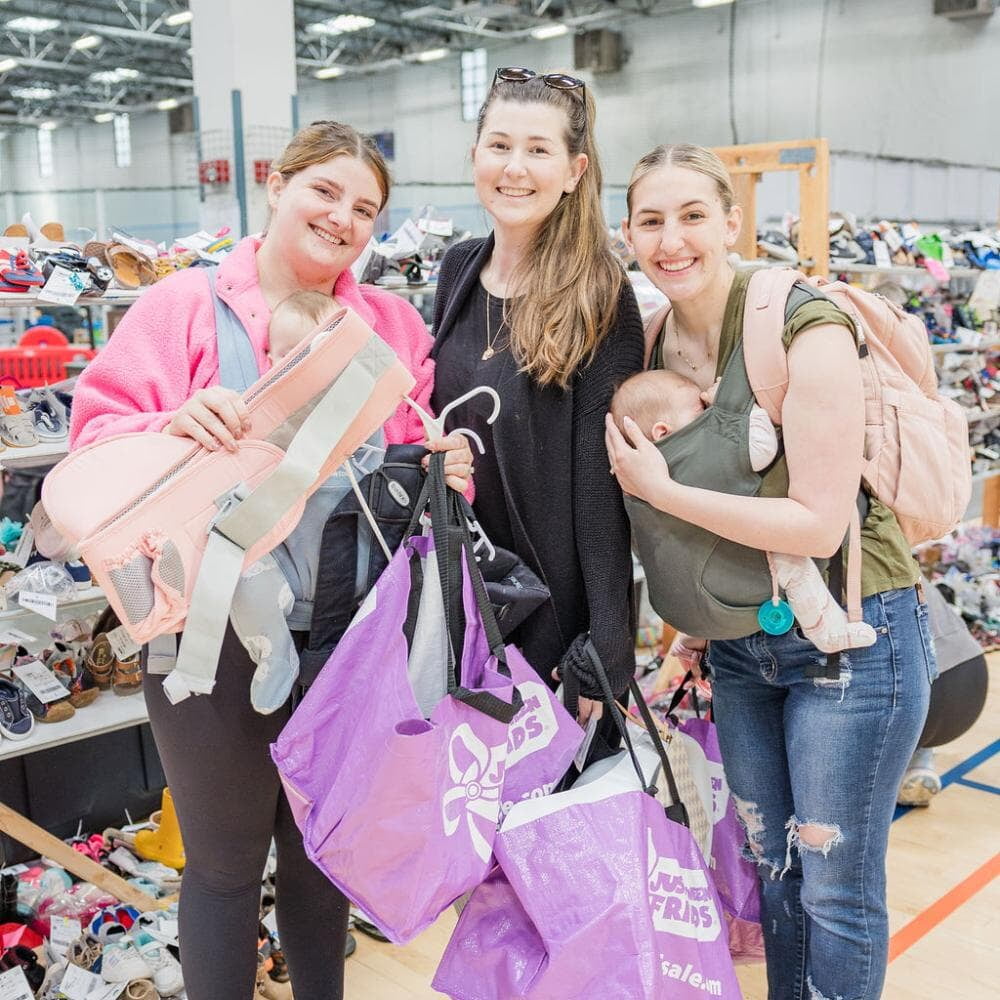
{"type": "Point", "coordinates": [923, 923]}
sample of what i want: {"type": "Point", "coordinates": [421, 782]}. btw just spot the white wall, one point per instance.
{"type": "Point", "coordinates": [894, 82]}
{"type": "Point", "coordinates": [907, 100]}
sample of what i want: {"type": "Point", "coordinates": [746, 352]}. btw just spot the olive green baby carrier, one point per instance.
{"type": "Point", "coordinates": [700, 583]}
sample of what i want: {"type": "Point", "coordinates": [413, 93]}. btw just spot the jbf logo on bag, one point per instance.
{"type": "Point", "coordinates": [533, 728]}
{"type": "Point", "coordinates": [681, 899]}
{"type": "Point", "coordinates": [477, 771]}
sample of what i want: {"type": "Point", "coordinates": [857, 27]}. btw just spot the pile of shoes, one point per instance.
{"type": "Point", "coordinates": [29, 254]}
{"type": "Point", "coordinates": [965, 567]}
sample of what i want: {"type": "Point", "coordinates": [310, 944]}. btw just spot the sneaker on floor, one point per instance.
{"type": "Point", "coordinates": [120, 960]}
{"type": "Point", "coordinates": [167, 976]}
{"type": "Point", "coordinates": [141, 989]}
{"type": "Point", "coordinates": [921, 781]}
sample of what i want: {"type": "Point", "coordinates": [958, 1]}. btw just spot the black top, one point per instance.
{"type": "Point", "coordinates": [565, 512]}
{"type": "Point", "coordinates": [461, 367]}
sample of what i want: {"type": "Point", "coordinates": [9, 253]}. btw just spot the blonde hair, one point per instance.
{"type": "Point", "coordinates": [321, 141]}
{"type": "Point", "coordinates": [683, 154]}
{"type": "Point", "coordinates": [571, 279]}
{"type": "Point", "coordinates": [311, 306]}
{"type": "Point", "coordinates": [651, 397]}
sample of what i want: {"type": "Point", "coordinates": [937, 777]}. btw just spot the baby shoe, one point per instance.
{"type": "Point", "coordinates": [66, 664]}
{"type": "Point", "coordinates": [167, 975]}
{"type": "Point", "coordinates": [16, 721]}
{"type": "Point", "coordinates": [127, 676]}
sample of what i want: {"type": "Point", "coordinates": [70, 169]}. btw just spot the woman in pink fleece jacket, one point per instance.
{"type": "Point", "coordinates": [160, 371]}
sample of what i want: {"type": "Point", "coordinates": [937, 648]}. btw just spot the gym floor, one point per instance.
{"type": "Point", "coordinates": [944, 894]}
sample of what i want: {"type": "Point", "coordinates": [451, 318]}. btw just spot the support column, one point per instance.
{"type": "Point", "coordinates": [244, 79]}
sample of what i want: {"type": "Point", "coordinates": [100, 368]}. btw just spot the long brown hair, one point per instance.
{"type": "Point", "coordinates": [320, 141]}
{"type": "Point", "coordinates": [571, 278]}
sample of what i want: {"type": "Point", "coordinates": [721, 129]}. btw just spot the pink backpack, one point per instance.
{"type": "Point", "coordinates": [916, 458]}
{"type": "Point", "coordinates": [173, 524]}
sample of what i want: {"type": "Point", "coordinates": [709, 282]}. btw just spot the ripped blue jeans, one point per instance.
{"type": "Point", "coordinates": [814, 767]}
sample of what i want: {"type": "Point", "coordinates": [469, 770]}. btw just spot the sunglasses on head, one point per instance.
{"type": "Point", "coordinates": [557, 81]}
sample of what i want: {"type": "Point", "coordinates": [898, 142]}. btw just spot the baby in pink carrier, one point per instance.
{"type": "Point", "coordinates": [661, 402]}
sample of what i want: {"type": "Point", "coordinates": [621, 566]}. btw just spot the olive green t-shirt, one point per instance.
{"type": "Point", "coordinates": [886, 560]}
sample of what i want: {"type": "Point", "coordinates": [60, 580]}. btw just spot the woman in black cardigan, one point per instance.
{"type": "Point", "coordinates": [542, 311]}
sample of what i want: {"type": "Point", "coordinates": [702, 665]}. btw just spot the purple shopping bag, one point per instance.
{"type": "Point", "coordinates": [600, 894]}
{"type": "Point", "coordinates": [564, 919]}
{"type": "Point", "coordinates": [735, 878]}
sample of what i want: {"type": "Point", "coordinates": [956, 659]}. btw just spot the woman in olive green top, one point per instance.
{"type": "Point", "coordinates": [813, 761]}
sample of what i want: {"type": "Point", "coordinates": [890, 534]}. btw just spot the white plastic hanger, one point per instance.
{"type": "Point", "coordinates": [434, 427]}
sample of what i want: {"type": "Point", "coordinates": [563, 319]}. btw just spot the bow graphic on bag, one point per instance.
{"type": "Point", "coordinates": [477, 771]}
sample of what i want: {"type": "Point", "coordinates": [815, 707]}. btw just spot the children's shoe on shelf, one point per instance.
{"type": "Point", "coordinates": [777, 246]}
{"type": "Point", "coordinates": [53, 711]}
{"type": "Point", "coordinates": [17, 428]}
{"type": "Point", "coordinates": [66, 664]}
{"type": "Point", "coordinates": [80, 573]}
{"type": "Point", "coordinates": [140, 989]}
{"type": "Point", "coordinates": [121, 962]}
{"type": "Point", "coordinates": [167, 975]}
{"type": "Point", "coordinates": [16, 720]}
{"type": "Point", "coordinates": [100, 661]}
{"type": "Point", "coordinates": [127, 676]}
{"type": "Point", "coordinates": [27, 959]}
{"type": "Point", "coordinates": [22, 271]}
{"type": "Point", "coordinates": [51, 417]}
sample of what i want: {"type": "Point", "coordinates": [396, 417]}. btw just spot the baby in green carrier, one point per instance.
{"type": "Point", "coordinates": [661, 402]}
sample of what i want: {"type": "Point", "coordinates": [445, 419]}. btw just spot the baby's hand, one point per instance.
{"type": "Point", "coordinates": [708, 396]}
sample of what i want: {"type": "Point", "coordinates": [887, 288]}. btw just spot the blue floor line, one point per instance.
{"type": "Point", "coordinates": [959, 771]}
{"type": "Point", "coordinates": [979, 785]}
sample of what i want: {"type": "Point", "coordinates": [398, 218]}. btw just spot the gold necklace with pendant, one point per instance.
{"type": "Point", "coordinates": [682, 355]}
{"type": "Point", "coordinates": [490, 336]}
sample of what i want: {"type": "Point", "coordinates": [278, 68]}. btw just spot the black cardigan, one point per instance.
{"type": "Point", "coordinates": [566, 511]}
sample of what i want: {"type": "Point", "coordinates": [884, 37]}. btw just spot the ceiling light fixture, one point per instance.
{"type": "Point", "coordinates": [429, 55]}
{"type": "Point", "coordinates": [329, 72]}
{"type": "Point", "coordinates": [710, 3]}
{"type": "Point", "coordinates": [32, 93]}
{"type": "Point", "coordinates": [33, 25]}
{"type": "Point", "coordinates": [7, 64]}
{"type": "Point", "coordinates": [114, 75]}
{"type": "Point", "coordinates": [167, 104]}
{"type": "Point", "coordinates": [181, 17]}
{"type": "Point", "coordinates": [47, 126]}
{"type": "Point", "coordinates": [341, 25]}
{"type": "Point", "coordinates": [86, 42]}
{"type": "Point", "coordinates": [104, 117]}
{"type": "Point", "coordinates": [549, 31]}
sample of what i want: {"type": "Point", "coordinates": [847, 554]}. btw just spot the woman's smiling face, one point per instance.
{"type": "Point", "coordinates": [680, 231]}
{"type": "Point", "coordinates": [323, 216]}
{"type": "Point", "coordinates": [522, 165]}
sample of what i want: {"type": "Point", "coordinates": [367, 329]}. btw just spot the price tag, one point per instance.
{"type": "Point", "coordinates": [78, 984]}
{"type": "Point", "coordinates": [64, 286]}
{"type": "Point", "coordinates": [41, 681]}
{"type": "Point", "coordinates": [24, 546]}
{"type": "Point", "coordinates": [41, 604]}
{"type": "Point", "coordinates": [147, 249]}
{"type": "Point", "coordinates": [122, 644]}
{"type": "Point", "coordinates": [15, 637]}
{"type": "Point", "coordinates": [64, 932]}
{"type": "Point", "coordinates": [882, 255]}
{"type": "Point", "coordinates": [14, 986]}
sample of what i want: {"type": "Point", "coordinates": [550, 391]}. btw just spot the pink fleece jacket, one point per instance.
{"type": "Point", "coordinates": [164, 349]}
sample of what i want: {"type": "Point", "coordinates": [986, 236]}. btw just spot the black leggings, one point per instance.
{"type": "Point", "coordinates": [957, 698]}
{"type": "Point", "coordinates": [230, 803]}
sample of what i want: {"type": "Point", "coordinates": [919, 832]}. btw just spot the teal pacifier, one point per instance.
{"type": "Point", "coordinates": [775, 617]}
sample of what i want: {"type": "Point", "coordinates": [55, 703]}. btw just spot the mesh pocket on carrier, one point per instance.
{"type": "Point", "coordinates": [134, 587]}
{"type": "Point", "coordinates": [171, 568]}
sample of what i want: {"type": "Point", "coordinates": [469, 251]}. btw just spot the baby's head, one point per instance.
{"type": "Point", "coordinates": [660, 402]}
{"type": "Point", "coordinates": [296, 317]}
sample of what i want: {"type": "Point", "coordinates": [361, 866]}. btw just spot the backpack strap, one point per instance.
{"type": "Point", "coordinates": [652, 329]}
{"type": "Point", "coordinates": [764, 354]}
{"type": "Point", "coordinates": [237, 362]}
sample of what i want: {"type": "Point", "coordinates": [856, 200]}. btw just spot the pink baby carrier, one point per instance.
{"type": "Point", "coordinates": [173, 524]}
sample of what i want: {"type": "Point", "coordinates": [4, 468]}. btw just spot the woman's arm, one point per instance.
{"type": "Point", "coordinates": [144, 374]}
{"type": "Point", "coordinates": [600, 524]}
{"type": "Point", "coordinates": [823, 428]}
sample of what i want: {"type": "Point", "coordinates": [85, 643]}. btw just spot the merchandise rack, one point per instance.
{"type": "Point", "coordinates": [43, 453]}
